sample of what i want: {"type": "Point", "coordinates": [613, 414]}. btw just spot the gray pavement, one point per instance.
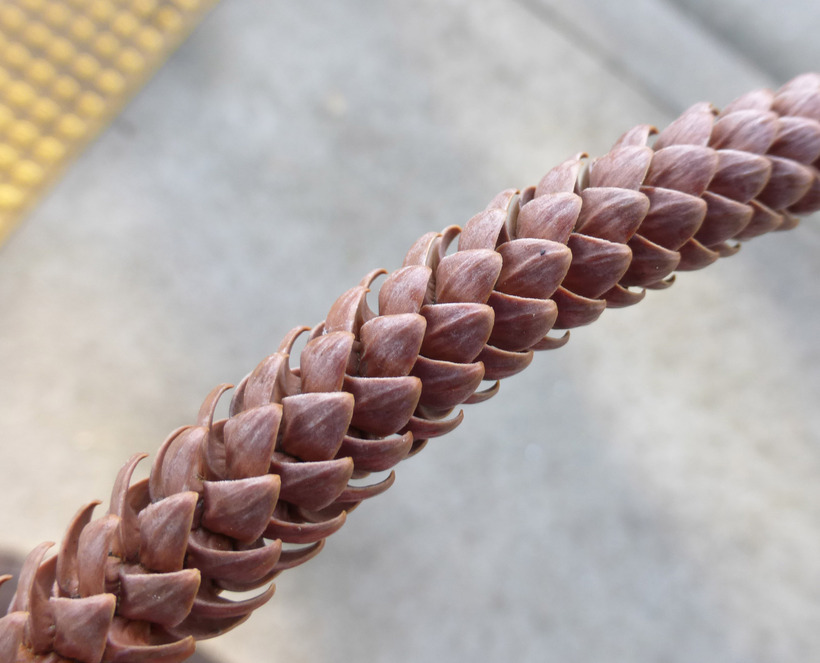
{"type": "Point", "coordinates": [648, 493]}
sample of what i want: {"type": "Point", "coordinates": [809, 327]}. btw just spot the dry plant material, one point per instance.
{"type": "Point", "coordinates": [145, 580]}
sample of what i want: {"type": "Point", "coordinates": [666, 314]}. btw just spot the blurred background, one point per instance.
{"type": "Point", "coordinates": [647, 493]}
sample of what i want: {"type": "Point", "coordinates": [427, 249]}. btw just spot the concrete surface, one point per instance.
{"type": "Point", "coordinates": [648, 493]}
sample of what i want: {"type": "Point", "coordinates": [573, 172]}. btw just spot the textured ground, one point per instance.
{"type": "Point", "coordinates": [648, 493]}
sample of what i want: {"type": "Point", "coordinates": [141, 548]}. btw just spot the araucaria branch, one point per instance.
{"type": "Point", "coordinates": [144, 581]}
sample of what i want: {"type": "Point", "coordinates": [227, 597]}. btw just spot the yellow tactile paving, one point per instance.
{"type": "Point", "coordinates": [66, 68]}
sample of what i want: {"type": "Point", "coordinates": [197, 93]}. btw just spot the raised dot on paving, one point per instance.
{"type": "Point", "coordinates": [40, 72]}
{"type": "Point", "coordinates": [106, 45]}
{"type": "Point", "coordinates": [22, 133]}
{"type": "Point", "coordinates": [8, 156]}
{"type": "Point", "coordinates": [11, 197]}
{"type": "Point", "coordinates": [27, 173]}
{"type": "Point", "coordinates": [45, 110]}
{"type": "Point", "coordinates": [66, 69]}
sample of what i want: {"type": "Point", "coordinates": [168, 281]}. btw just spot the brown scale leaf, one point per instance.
{"type": "Point", "coordinates": [764, 220]}
{"type": "Point", "coordinates": [164, 529]}
{"type": "Point", "coordinates": [67, 574]}
{"type": "Point", "coordinates": [551, 216]}
{"type": "Point", "coordinates": [562, 178]}
{"type": "Point", "coordinates": [264, 385]}
{"type": "Point", "coordinates": [724, 219]}
{"type": "Point", "coordinates": [249, 438]}
{"type": "Point", "coordinates": [575, 310]}
{"type": "Point", "coordinates": [97, 548]}
{"type": "Point", "coordinates": [649, 264]}
{"type": "Point", "coordinates": [673, 217]}
{"type": "Point", "coordinates": [597, 265]}
{"type": "Point", "coordinates": [612, 214]}
{"type": "Point", "coordinates": [625, 167]}
{"type": "Point", "coordinates": [684, 168]}
{"type": "Point", "coordinates": [500, 364]}
{"type": "Point", "coordinates": [159, 598]}
{"type": "Point", "coordinates": [356, 494]}
{"type": "Point", "coordinates": [798, 139]}
{"type": "Point", "coordinates": [215, 557]}
{"type": "Point", "coordinates": [621, 296]}
{"type": "Point", "coordinates": [746, 130]}
{"type": "Point", "coordinates": [382, 405]}
{"type": "Point", "coordinates": [390, 344]}
{"type": "Point", "coordinates": [290, 525]}
{"type": "Point", "coordinates": [467, 276]}
{"type": "Point", "coordinates": [446, 384]}
{"type": "Point", "coordinates": [348, 312]}
{"type": "Point", "coordinates": [404, 290]}
{"type": "Point", "coordinates": [694, 255]}
{"type": "Point", "coordinates": [424, 429]}
{"type": "Point", "coordinates": [740, 176]}
{"type": "Point", "coordinates": [456, 332]}
{"type": "Point", "coordinates": [638, 135]}
{"type": "Point", "coordinates": [799, 97]}
{"type": "Point", "coordinates": [520, 322]}
{"type": "Point", "coordinates": [810, 202]}
{"type": "Point", "coordinates": [136, 642]}
{"type": "Point", "coordinates": [789, 182]}
{"type": "Point", "coordinates": [486, 230]}
{"type": "Point", "coordinates": [314, 424]}
{"type": "Point", "coordinates": [324, 360]}
{"type": "Point", "coordinates": [756, 100]}
{"type": "Point", "coordinates": [311, 485]}
{"type": "Point", "coordinates": [379, 454]}
{"type": "Point", "coordinates": [178, 465]}
{"type": "Point", "coordinates": [692, 127]}
{"type": "Point", "coordinates": [239, 508]}
{"type": "Point", "coordinates": [532, 268]}
{"type": "Point", "coordinates": [81, 626]}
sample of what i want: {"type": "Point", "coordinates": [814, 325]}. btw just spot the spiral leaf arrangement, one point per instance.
{"type": "Point", "coordinates": [146, 580]}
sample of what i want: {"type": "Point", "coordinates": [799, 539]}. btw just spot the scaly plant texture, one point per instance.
{"type": "Point", "coordinates": [230, 504]}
